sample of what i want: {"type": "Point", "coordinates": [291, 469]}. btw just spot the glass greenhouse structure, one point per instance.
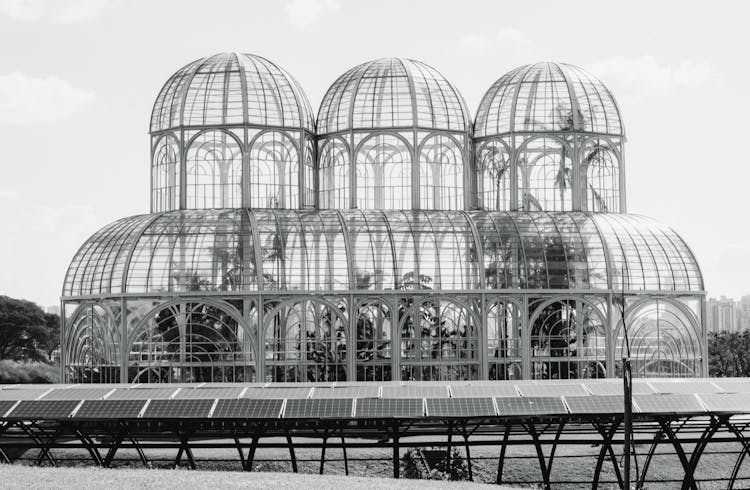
{"type": "Point", "coordinates": [389, 238]}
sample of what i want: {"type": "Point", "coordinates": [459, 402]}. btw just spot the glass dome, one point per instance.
{"type": "Point", "coordinates": [246, 250]}
{"type": "Point", "coordinates": [231, 88]}
{"type": "Point", "coordinates": [548, 97]}
{"type": "Point", "coordinates": [402, 130]}
{"type": "Point", "coordinates": [232, 130]}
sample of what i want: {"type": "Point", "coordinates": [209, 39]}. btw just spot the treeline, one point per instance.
{"type": "Point", "coordinates": [29, 338]}
{"type": "Point", "coordinates": [729, 354]}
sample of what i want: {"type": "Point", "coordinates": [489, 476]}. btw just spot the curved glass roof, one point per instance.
{"type": "Point", "coordinates": [309, 250]}
{"type": "Point", "coordinates": [547, 97]}
{"type": "Point", "coordinates": [392, 93]}
{"type": "Point", "coordinates": [230, 89]}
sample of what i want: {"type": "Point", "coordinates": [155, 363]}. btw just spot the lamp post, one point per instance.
{"type": "Point", "coordinates": [627, 382]}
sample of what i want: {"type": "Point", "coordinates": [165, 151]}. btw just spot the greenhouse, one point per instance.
{"type": "Point", "coordinates": [389, 239]}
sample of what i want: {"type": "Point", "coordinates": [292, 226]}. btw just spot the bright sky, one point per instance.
{"type": "Point", "coordinates": [78, 78]}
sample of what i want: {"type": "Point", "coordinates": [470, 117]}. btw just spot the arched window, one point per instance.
{"type": "Point", "coordinates": [568, 341]}
{"type": "Point", "coordinates": [305, 341]}
{"type": "Point", "coordinates": [493, 176]}
{"type": "Point", "coordinates": [165, 175]}
{"type": "Point", "coordinates": [439, 341]}
{"type": "Point", "coordinates": [309, 194]}
{"type": "Point", "coordinates": [504, 323]}
{"type": "Point", "coordinates": [93, 346]}
{"type": "Point", "coordinates": [544, 176]}
{"type": "Point", "coordinates": [601, 168]}
{"type": "Point", "coordinates": [384, 173]}
{"type": "Point", "coordinates": [333, 176]}
{"type": "Point", "coordinates": [274, 172]}
{"type": "Point", "coordinates": [441, 179]}
{"type": "Point", "coordinates": [191, 342]}
{"type": "Point", "coordinates": [374, 345]}
{"type": "Point", "coordinates": [214, 171]}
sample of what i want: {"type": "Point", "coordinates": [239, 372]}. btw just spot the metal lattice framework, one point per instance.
{"type": "Point", "coordinates": [430, 254]}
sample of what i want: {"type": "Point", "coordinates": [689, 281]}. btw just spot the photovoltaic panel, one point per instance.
{"type": "Point", "coordinates": [179, 409]}
{"type": "Point", "coordinates": [110, 409]}
{"type": "Point", "coordinates": [43, 409]}
{"type": "Point", "coordinates": [674, 403]}
{"type": "Point", "coordinates": [277, 393]}
{"type": "Point", "coordinates": [318, 408]}
{"type": "Point", "coordinates": [248, 408]}
{"type": "Point", "coordinates": [5, 406]}
{"type": "Point", "coordinates": [211, 393]}
{"type": "Point", "coordinates": [685, 387]}
{"type": "Point", "coordinates": [552, 389]}
{"type": "Point", "coordinates": [308, 384]}
{"type": "Point", "coordinates": [142, 394]}
{"type": "Point", "coordinates": [390, 408]}
{"type": "Point", "coordinates": [597, 404]}
{"type": "Point", "coordinates": [727, 402]}
{"type": "Point", "coordinates": [616, 388]}
{"type": "Point", "coordinates": [733, 385]}
{"type": "Point", "coordinates": [77, 394]}
{"type": "Point", "coordinates": [474, 391]}
{"type": "Point", "coordinates": [460, 407]}
{"type": "Point", "coordinates": [530, 406]}
{"type": "Point", "coordinates": [347, 392]}
{"type": "Point", "coordinates": [22, 394]}
{"type": "Point", "coordinates": [415, 391]}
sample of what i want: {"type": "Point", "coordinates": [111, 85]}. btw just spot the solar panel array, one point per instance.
{"type": "Point", "coordinates": [727, 402]}
{"type": "Point", "coordinates": [673, 403]}
{"type": "Point", "coordinates": [277, 393]}
{"type": "Point", "coordinates": [22, 393]}
{"type": "Point", "coordinates": [415, 391]}
{"type": "Point", "coordinates": [530, 406]}
{"type": "Point", "coordinates": [483, 391]}
{"type": "Point", "coordinates": [321, 408]}
{"type": "Point", "coordinates": [212, 393]}
{"type": "Point", "coordinates": [460, 407]}
{"type": "Point", "coordinates": [552, 389]}
{"type": "Point", "coordinates": [43, 409]}
{"type": "Point", "coordinates": [390, 407]}
{"type": "Point", "coordinates": [368, 391]}
{"type": "Point", "coordinates": [77, 394]}
{"type": "Point", "coordinates": [142, 394]}
{"type": "Point", "coordinates": [596, 404]}
{"type": "Point", "coordinates": [5, 405]}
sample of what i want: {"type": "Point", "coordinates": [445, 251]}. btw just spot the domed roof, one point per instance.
{"type": "Point", "coordinates": [230, 89]}
{"type": "Point", "coordinates": [392, 93]}
{"type": "Point", "coordinates": [266, 249]}
{"type": "Point", "coordinates": [546, 97]}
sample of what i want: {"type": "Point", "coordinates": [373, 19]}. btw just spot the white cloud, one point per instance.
{"type": "Point", "coordinates": [473, 42]}
{"type": "Point", "coordinates": [27, 100]}
{"type": "Point", "coordinates": [9, 194]}
{"type": "Point", "coordinates": [304, 13]}
{"type": "Point", "coordinates": [643, 76]}
{"type": "Point", "coordinates": [54, 11]}
{"type": "Point", "coordinates": [512, 36]}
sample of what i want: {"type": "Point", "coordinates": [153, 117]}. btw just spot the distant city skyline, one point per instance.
{"type": "Point", "coordinates": [78, 75]}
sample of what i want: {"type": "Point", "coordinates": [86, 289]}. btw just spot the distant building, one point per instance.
{"type": "Point", "coordinates": [727, 315]}
{"type": "Point", "coordinates": [54, 309]}
{"type": "Point", "coordinates": [743, 317]}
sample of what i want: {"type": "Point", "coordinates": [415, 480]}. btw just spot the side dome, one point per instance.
{"type": "Point", "coordinates": [545, 97]}
{"type": "Point", "coordinates": [229, 89]}
{"type": "Point", "coordinates": [392, 93]}
{"type": "Point", "coordinates": [402, 130]}
{"type": "Point", "coordinates": [232, 130]}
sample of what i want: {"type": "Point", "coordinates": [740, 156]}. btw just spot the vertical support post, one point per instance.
{"type": "Point", "coordinates": [124, 342]}
{"type": "Point", "coordinates": [396, 463]}
{"type": "Point", "coordinates": [395, 338]}
{"type": "Point", "coordinates": [628, 418]}
{"type": "Point", "coordinates": [525, 339]}
{"type": "Point", "coordinates": [611, 337]}
{"type": "Point", "coordinates": [484, 371]}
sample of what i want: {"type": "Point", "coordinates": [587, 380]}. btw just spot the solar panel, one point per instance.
{"type": "Point", "coordinates": [318, 408]}
{"type": "Point", "coordinates": [43, 409]}
{"type": "Point", "coordinates": [686, 387]}
{"type": "Point", "coordinates": [616, 388]}
{"type": "Point", "coordinates": [483, 390]}
{"type": "Point", "coordinates": [25, 394]}
{"type": "Point", "coordinates": [530, 406]}
{"type": "Point", "coordinates": [77, 394]}
{"type": "Point", "coordinates": [733, 385]}
{"type": "Point", "coordinates": [142, 394]}
{"type": "Point", "coordinates": [246, 408]}
{"type": "Point", "coordinates": [347, 392]}
{"type": "Point", "coordinates": [110, 409]}
{"type": "Point", "coordinates": [277, 393]}
{"type": "Point", "coordinates": [675, 403]}
{"type": "Point", "coordinates": [460, 407]}
{"type": "Point", "coordinates": [211, 393]}
{"type": "Point", "coordinates": [179, 409]}
{"type": "Point", "coordinates": [415, 391]}
{"type": "Point", "coordinates": [320, 384]}
{"type": "Point", "coordinates": [5, 406]}
{"type": "Point", "coordinates": [727, 402]}
{"type": "Point", "coordinates": [552, 389]}
{"type": "Point", "coordinates": [598, 404]}
{"type": "Point", "coordinates": [390, 408]}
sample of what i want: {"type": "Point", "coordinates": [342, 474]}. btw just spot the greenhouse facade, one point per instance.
{"type": "Point", "coordinates": [389, 238]}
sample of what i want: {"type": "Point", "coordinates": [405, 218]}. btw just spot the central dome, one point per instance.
{"type": "Point", "coordinates": [392, 93]}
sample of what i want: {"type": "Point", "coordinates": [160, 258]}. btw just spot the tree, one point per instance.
{"type": "Point", "coordinates": [23, 330]}
{"type": "Point", "coordinates": [52, 340]}
{"type": "Point", "coordinates": [729, 354]}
